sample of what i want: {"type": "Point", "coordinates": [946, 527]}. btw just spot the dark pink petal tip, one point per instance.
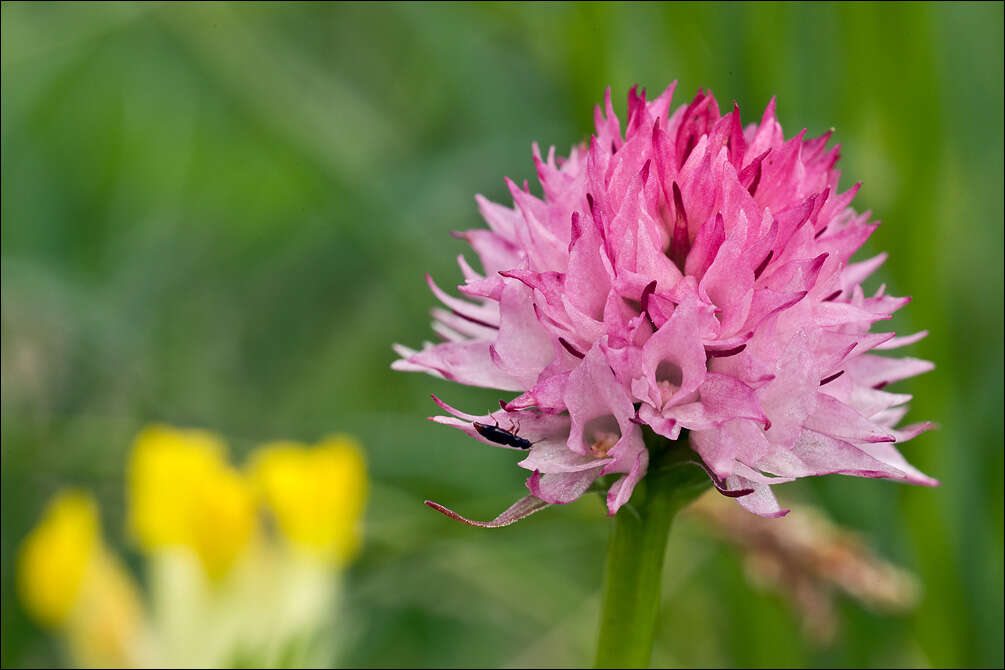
{"type": "Point", "coordinates": [739, 493]}
{"type": "Point", "coordinates": [719, 485]}
{"type": "Point", "coordinates": [571, 349]}
{"type": "Point", "coordinates": [724, 353]}
{"type": "Point", "coordinates": [829, 378]}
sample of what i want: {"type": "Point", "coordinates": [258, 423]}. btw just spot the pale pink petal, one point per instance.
{"type": "Point", "coordinates": [818, 454]}
{"type": "Point", "coordinates": [790, 397]}
{"type": "Point", "coordinates": [555, 456]}
{"type": "Point", "coordinates": [832, 417]}
{"type": "Point", "coordinates": [463, 326]}
{"type": "Point", "coordinates": [877, 371]}
{"type": "Point", "coordinates": [621, 490]}
{"type": "Point", "coordinates": [463, 362]}
{"type": "Point", "coordinates": [761, 501]}
{"type": "Point", "coordinates": [887, 453]}
{"type": "Point", "coordinates": [561, 488]}
{"type": "Point", "coordinates": [486, 314]}
{"type": "Point", "coordinates": [523, 347]}
{"type": "Point", "coordinates": [598, 406]}
{"type": "Point", "coordinates": [898, 342]}
{"type": "Point", "coordinates": [674, 360]}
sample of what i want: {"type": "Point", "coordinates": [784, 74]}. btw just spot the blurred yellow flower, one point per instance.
{"type": "Point", "coordinates": [56, 555]}
{"type": "Point", "coordinates": [108, 626]}
{"type": "Point", "coordinates": [217, 589]}
{"type": "Point", "coordinates": [68, 580]}
{"type": "Point", "coordinates": [183, 493]}
{"type": "Point", "coordinates": [317, 494]}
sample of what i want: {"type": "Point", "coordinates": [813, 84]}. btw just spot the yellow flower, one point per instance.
{"type": "Point", "coordinates": [316, 494]}
{"type": "Point", "coordinates": [70, 581]}
{"type": "Point", "coordinates": [183, 493]}
{"type": "Point", "coordinates": [56, 555]}
{"type": "Point", "coordinates": [108, 626]}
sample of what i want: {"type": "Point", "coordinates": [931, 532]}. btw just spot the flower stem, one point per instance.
{"type": "Point", "coordinates": [634, 567]}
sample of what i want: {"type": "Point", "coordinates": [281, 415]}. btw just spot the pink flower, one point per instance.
{"type": "Point", "coordinates": [692, 274]}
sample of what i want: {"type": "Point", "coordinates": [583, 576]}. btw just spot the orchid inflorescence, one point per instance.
{"type": "Point", "coordinates": [692, 274]}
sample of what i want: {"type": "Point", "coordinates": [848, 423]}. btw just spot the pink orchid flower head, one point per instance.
{"type": "Point", "coordinates": [688, 274]}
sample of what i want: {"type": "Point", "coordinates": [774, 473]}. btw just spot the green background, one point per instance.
{"type": "Point", "coordinates": [220, 216]}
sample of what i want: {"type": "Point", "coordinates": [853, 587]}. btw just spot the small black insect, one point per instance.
{"type": "Point", "coordinates": [500, 436]}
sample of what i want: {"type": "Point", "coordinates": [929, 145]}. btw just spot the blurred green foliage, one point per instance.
{"type": "Point", "coordinates": [219, 216]}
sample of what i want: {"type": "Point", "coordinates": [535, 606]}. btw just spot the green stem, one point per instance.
{"type": "Point", "coordinates": [636, 552]}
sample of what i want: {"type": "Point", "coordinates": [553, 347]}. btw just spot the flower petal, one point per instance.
{"type": "Point", "coordinates": [521, 509]}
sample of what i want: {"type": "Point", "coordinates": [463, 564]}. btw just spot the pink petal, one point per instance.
{"type": "Point", "coordinates": [463, 362]}
{"type": "Point", "coordinates": [762, 501]}
{"type": "Point", "coordinates": [621, 491]}
{"type": "Point", "coordinates": [673, 358]}
{"type": "Point", "coordinates": [593, 393]}
{"type": "Point", "coordinates": [523, 347]}
{"type": "Point", "coordinates": [832, 417]}
{"type": "Point", "coordinates": [818, 454]}
{"type": "Point", "coordinates": [555, 456]}
{"type": "Point", "coordinates": [561, 488]}
{"type": "Point", "coordinates": [485, 314]}
{"type": "Point", "coordinates": [790, 397]}
{"type": "Point", "coordinates": [521, 509]}
{"type": "Point", "coordinates": [877, 371]}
